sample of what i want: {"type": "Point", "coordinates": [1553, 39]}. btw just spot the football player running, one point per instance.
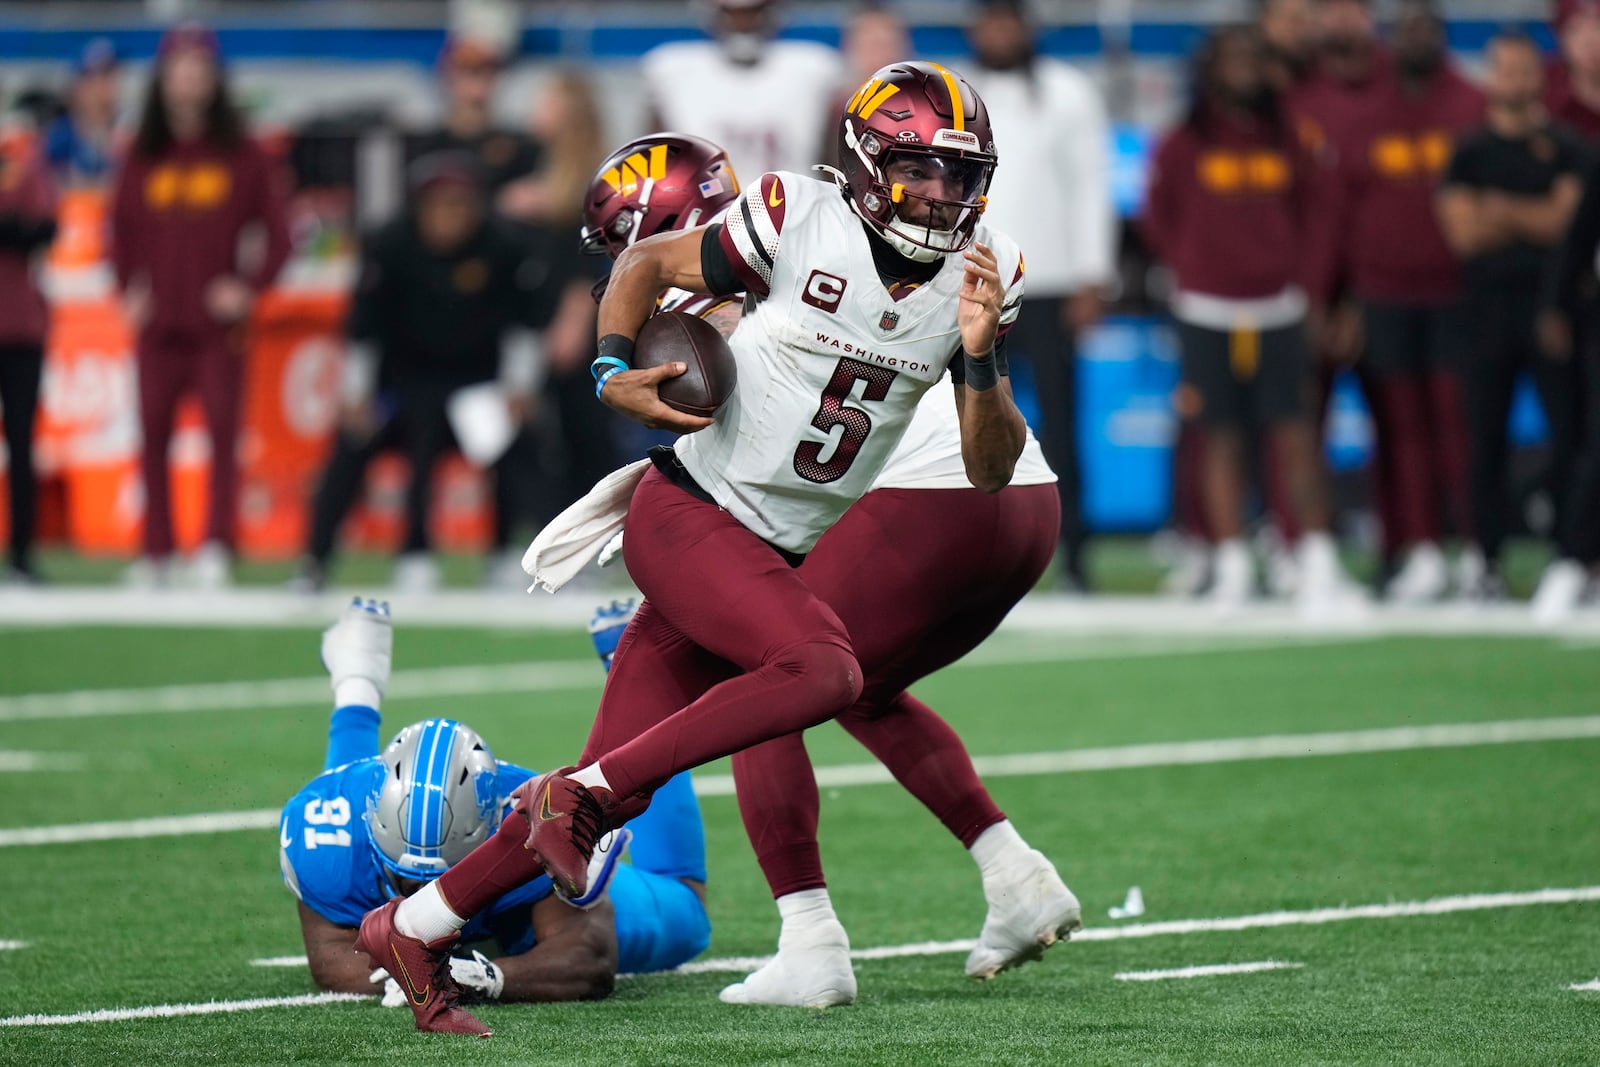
{"type": "Point", "coordinates": [936, 600]}
{"type": "Point", "coordinates": [376, 826]}
{"type": "Point", "coordinates": [855, 309]}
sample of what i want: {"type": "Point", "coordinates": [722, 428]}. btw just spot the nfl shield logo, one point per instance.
{"type": "Point", "coordinates": [890, 320]}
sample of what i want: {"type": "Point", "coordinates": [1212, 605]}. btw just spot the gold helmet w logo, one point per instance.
{"type": "Point", "coordinates": [626, 176]}
{"type": "Point", "coordinates": [869, 98]}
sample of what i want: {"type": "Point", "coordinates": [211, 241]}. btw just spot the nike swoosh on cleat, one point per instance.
{"type": "Point", "coordinates": [418, 998]}
{"type": "Point", "coordinates": [546, 813]}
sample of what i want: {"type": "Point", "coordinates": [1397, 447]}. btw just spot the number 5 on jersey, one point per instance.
{"type": "Point", "coordinates": [834, 412]}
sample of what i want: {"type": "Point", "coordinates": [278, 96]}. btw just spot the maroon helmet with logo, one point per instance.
{"type": "Point", "coordinates": [927, 120]}
{"type": "Point", "coordinates": [666, 181]}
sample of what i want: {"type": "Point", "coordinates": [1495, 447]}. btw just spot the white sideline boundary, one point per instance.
{"type": "Point", "coordinates": [173, 1011]}
{"type": "Point", "coordinates": [1118, 757]}
{"type": "Point", "coordinates": [1207, 970]}
{"type": "Point", "coordinates": [546, 676]}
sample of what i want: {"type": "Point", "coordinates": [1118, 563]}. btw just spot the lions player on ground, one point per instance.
{"type": "Point", "coordinates": [903, 625]}
{"type": "Point", "coordinates": [377, 826]}
{"type": "Point", "coordinates": [855, 312]}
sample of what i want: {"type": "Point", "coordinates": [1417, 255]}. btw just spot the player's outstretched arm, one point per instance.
{"type": "Point", "coordinates": [992, 429]}
{"type": "Point", "coordinates": [337, 966]}
{"type": "Point", "coordinates": [641, 272]}
{"type": "Point", "coordinates": [574, 956]}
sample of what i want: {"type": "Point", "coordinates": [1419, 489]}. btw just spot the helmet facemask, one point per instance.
{"type": "Point", "coordinates": [924, 201]}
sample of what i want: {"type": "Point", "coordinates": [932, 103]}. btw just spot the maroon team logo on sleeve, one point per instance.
{"type": "Point", "coordinates": [890, 320]}
{"type": "Point", "coordinates": [824, 290]}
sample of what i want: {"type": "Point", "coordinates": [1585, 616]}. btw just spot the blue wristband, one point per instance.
{"type": "Point", "coordinates": [603, 363]}
{"type": "Point", "coordinates": [605, 376]}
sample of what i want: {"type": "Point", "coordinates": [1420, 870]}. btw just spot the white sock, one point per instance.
{"type": "Point", "coordinates": [425, 916]}
{"type": "Point", "coordinates": [804, 912]}
{"type": "Point", "coordinates": [592, 776]}
{"type": "Point", "coordinates": [997, 848]}
{"type": "Point", "coordinates": [356, 692]}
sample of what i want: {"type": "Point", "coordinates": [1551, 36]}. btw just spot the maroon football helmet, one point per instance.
{"type": "Point", "coordinates": [917, 153]}
{"type": "Point", "coordinates": [666, 181]}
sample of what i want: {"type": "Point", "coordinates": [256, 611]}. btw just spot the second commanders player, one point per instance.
{"type": "Point", "coordinates": [908, 616]}
{"type": "Point", "coordinates": [856, 312]}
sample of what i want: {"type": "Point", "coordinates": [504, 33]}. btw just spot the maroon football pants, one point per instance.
{"type": "Point", "coordinates": [171, 366]}
{"type": "Point", "coordinates": [920, 577]}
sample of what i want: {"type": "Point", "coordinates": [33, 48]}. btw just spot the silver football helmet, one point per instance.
{"type": "Point", "coordinates": [438, 800]}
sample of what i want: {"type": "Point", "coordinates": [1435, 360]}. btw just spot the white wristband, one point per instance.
{"type": "Point", "coordinates": [356, 692]}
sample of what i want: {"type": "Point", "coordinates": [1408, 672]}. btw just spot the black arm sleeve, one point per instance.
{"type": "Point", "coordinates": [714, 266]}
{"type": "Point", "coordinates": [1574, 261]}
{"type": "Point", "coordinates": [22, 234]}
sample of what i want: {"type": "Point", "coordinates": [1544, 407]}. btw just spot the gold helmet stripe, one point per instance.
{"type": "Point", "coordinates": [957, 108]}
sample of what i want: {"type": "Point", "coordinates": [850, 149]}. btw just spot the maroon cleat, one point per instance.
{"type": "Point", "coordinates": [422, 969]}
{"type": "Point", "coordinates": [565, 821]}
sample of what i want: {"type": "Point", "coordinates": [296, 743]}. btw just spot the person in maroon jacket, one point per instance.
{"type": "Point", "coordinates": [27, 225]}
{"type": "Point", "coordinates": [1407, 282]}
{"type": "Point", "coordinates": [198, 230]}
{"type": "Point", "coordinates": [1232, 203]}
{"type": "Point", "coordinates": [1572, 84]}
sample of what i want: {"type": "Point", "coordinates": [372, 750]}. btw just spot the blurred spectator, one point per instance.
{"type": "Point", "coordinates": [1569, 330]}
{"type": "Point", "coordinates": [1507, 199]}
{"type": "Point", "coordinates": [446, 300]}
{"type": "Point", "coordinates": [1408, 284]}
{"type": "Point", "coordinates": [1289, 29]}
{"type": "Point", "coordinates": [27, 226]}
{"type": "Point", "coordinates": [1572, 92]}
{"type": "Point", "coordinates": [469, 72]}
{"type": "Point", "coordinates": [873, 37]}
{"type": "Point", "coordinates": [198, 230]}
{"type": "Point", "coordinates": [1232, 201]}
{"type": "Point", "coordinates": [1053, 190]}
{"type": "Point", "coordinates": [580, 440]}
{"type": "Point", "coordinates": [79, 144]}
{"type": "Point", "coordinates": [770, 103]}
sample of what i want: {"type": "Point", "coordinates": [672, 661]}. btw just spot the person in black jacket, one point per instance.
{"type": "Point", "coordinates": [448, 298]}
{"type": "Point", "coordinates": [1569, 331]}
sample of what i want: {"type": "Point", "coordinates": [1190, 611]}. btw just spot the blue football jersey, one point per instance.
{"type": "Point", "coordinates": [328, 859]}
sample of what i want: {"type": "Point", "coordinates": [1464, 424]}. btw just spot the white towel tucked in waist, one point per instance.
{"type": "Point", "coordinates": [571, 540]}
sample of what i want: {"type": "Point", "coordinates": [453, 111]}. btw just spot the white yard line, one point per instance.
{"type": "Point", "coordinates": [1134, 931]}
{"type": "Point", "coordinates": [1206, 970]}
{"type": "Point", "coordinates": [1586, 987]}
{"type": "Point", "coordinates": [1414, 909]}
{"type": "Point", "coordinates": [438, 682]}
{"type": "Point", "coordinates": [428, 682]}
{"type": "Point", "coordinates": [12, 946]}
{"type": "Point", "coordinates": [172, 1011]}
{"type": "Point", "coordinates": [1118, 757]}
{"type": "Point", "coordinates": [15, 761]}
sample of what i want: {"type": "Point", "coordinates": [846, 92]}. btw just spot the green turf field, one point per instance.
{"type": "Point", "coordinates": [177, 919]}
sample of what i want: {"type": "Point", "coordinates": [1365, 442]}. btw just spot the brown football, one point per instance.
{"type": "Point", "coordinates": [674, 337]}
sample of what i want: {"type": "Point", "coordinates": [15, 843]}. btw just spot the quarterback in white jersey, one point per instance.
{"type": "Point", "coordinates": [733, 646]}
{"type": "Point", "coordinates": [768, 103]}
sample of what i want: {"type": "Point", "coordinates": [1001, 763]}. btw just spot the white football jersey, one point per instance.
{"type": "Point", "coordinates": [831, 367]}
{"type": "Point", "coordinates": [929, 455]}
{"type": "Point", "coordinates": [773, 114]}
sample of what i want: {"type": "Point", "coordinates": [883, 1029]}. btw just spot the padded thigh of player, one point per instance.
{"type": "Point", "coordinates": [698, 260]}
